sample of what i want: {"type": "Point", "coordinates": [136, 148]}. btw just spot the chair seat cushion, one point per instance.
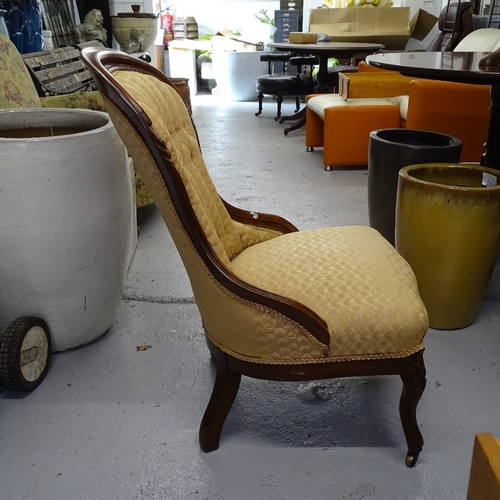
{"type": "Point", "coordinates": [285, 84]}
{"type": "Point", "coordinates": [351, 277]}
{"type": "Point", "coordinates": [18, 90]}
{"type": "Point", "coordinates": [319, 103]}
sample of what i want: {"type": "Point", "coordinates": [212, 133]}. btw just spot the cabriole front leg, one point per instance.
{"type": "Point", "coordinates": [225, 389]}
{"type": "Point", "coordinates": [413, 377]}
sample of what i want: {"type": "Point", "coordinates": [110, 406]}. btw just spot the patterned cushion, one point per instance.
{"type": "Point", "coordinates": [244, 329]}
{"type": "Point", "coordinates": [17, 89]}
{"type": "Point", "coordinates": [83, 100]}
{"type": "Point", "coordinates": [327, 270]}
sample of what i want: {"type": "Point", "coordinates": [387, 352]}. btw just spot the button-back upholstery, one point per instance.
{"type": "Point", "coordinates": [280, 265]}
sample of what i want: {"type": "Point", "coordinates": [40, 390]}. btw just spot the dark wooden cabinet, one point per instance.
{"type": "Point", "coordinates": [286, 21]}
{"type": "Point", "coordinates": [297, 5]}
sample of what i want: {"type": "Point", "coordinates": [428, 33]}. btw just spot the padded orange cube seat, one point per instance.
{"type": "Point", "coordinates": [343, 127]}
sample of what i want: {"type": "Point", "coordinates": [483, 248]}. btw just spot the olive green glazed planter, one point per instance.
{"type": "Point", "coordinates": [448, 229]}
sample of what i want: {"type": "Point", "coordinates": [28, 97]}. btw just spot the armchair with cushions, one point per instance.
{"type": "Point", "coordinates": [342, 126]}
{"type": "Point", "coordinates": [459, 16]}
{"type": "Point", "coordinates": [18, 91]}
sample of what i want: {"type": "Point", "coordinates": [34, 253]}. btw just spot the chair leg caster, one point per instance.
{"type": "Point", "coordinates": [309, 149]}
{"type": "Point", "coordinates": [411, 459]}
{"type": "Point", "coordinates": [328, 168]}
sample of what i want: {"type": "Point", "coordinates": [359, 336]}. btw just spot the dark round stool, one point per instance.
{"type": "Point", "coordinates": [282, 84]}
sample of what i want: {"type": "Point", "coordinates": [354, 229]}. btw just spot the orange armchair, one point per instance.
{"type": "Point", "coordinates": [342, 126]}
{"type": "Point", "coordinates": [456, 109]}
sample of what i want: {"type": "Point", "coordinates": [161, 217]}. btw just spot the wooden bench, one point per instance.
{"type": "Point", "coordinates": [373, 84]}
{"type": "Point", "coordinates": [60, 71]}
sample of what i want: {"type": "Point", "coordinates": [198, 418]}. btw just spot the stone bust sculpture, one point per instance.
{"type": "Point", "coordinates": [91, 28]}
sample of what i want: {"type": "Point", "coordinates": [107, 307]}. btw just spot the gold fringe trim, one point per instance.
{"type": "Point", "coordinates": [310, 361]}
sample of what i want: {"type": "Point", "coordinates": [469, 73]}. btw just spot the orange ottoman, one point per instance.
{"type": "Point", "coordinates": [343, 127]}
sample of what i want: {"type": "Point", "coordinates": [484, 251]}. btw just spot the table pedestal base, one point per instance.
{"type": "Point", "coordinates": [491, 157]}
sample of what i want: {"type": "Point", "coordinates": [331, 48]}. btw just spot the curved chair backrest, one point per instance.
{"type": "Point", "coordinates": [272, 58]}
{"type": "Point", "coordinates": [207, 231]}
{"type": "Point", "coordinates": [481, 40]}
{"type": "Point", "coordinates": [454, 23]}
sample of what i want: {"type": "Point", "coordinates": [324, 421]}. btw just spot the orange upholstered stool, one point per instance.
{"type": "Point", "coordinates": [343, 127]}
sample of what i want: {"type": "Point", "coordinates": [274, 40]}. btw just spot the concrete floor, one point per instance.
{"type": "Point", "coordinates": [110, 422]}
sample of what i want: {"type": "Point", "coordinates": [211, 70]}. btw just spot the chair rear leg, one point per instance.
{"type": "Point", "coordinates": [279, 100]}
{"type": "Point", "coordinates": [413, 377]}
{"type": "Point", "coordinates": [260, 96]}
{"type": "Point", "coordinates": [297, 103]}
{"type": "Point", "coordinates": [225, 389]}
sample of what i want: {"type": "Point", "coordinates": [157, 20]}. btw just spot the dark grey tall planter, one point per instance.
{"type": "Point", "coordinates": [389, 151]}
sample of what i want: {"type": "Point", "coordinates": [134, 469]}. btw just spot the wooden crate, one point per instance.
{"type": "Point", "coordinates": [373, 84]}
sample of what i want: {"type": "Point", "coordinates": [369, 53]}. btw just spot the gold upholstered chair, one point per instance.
{"type": "Point", "coordinates": [276, 303]}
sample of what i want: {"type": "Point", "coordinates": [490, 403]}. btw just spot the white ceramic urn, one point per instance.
{"type": "Point", "coordinates": [68, 221]}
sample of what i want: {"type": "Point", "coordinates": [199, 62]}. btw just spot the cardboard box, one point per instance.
{"type": "Point", "coordinates": [296, 37]}
{"type": "Point", "coordinates": [373, 84]}
{"type": "Point", "coordinates": [390, 26]}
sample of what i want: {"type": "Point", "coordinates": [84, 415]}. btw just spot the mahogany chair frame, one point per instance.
{"type": "Point", "coordinates": [102, 64]}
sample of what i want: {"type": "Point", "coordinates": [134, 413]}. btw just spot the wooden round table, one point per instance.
{"type": "Point", "coordinates": [325, 50]}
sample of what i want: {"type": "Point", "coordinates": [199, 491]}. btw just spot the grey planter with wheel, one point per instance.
{"type": "Point", "coordinates": [68, 221]}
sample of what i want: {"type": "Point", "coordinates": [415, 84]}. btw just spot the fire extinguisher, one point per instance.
{"type": "Point", "coordinates": [167, 20]}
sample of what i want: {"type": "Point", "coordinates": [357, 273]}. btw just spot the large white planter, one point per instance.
{"type": "Point", "coordinates": [67, 222]}
{"type": "Point", "coordinates": [236, 73]}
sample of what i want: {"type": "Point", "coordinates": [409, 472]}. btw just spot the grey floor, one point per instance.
{"type": "Point", "coordinates": [111, 422]}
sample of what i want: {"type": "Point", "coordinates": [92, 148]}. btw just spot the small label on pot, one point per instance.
{"type": "Point", "coordinates": [489, 180]}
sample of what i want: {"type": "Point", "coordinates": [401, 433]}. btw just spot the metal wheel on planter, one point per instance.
{"type": "Point", "coordinates": [25, 352]}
